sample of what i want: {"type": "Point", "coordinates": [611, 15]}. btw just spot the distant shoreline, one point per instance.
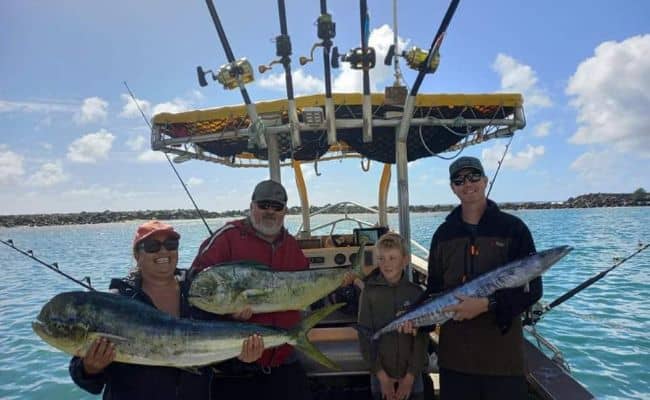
{"type": "Point", "coordinates": [592, 200]}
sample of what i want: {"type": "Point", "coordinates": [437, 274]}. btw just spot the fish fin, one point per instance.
{"type": "Point", "coordinates": [113, 338]}
{"type": "Point", "coordinates": [248, 293]}
{"type": "Point", "coordinates": [302, 342]}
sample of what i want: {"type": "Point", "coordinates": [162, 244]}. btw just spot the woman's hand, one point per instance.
{"type": "Point", "coordinates": [468, 308]}
{"type": "Point", "coordinates": [243, 315]}
{"type": "Point", "coordinates": [251, 349]}
{"type": "Point", "coordinates": [99, 355]}
{"type": "Point", "coordinates": [348, 279]}
{"type": "Point", "coordinates": [387, 385]}
{"type": "Point", "coordinates": [404, 386]}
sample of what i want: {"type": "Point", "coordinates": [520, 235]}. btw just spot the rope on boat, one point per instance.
{"type": "Point", "coordinates": [85, 282]}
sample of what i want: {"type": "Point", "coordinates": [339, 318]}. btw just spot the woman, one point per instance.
{"type": "Point", "coordinates": [155, 281]}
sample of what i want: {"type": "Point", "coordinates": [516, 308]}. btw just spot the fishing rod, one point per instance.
{"type": "Point", "coordinates": [367, 62]}
{"type": "Point", "coordinates": [425, 68]}
{"type": "Point", "coordinates": [537, 311]}
{"type": "Point", "coordinates": [283, 50]}
{"type": "Point", "coordinates": [171, 164]}
{"type": "Point", "coordinates": [85, 282]}
{"type": "Point", "coordinates": [236, 74]}
{"type": "Point", "coordinates": [500, 163]}
{"type": "Point", "coordinates": [326, 31]}
{"type": "Point", "coordinates": [588, 282]}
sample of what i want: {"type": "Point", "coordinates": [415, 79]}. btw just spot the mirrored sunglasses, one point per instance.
{"type": "Point", "coordinates": [471, 177]}
{"type": "Point", "coordinates": [154, 246]}
{"type": "Point", "coordinates": [273, 205]}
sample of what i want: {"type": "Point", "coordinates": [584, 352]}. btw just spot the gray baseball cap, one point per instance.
{"type": "Point", "coordinates": [270, 191]}
{"type": "Point", "coordinates": [465, 162]}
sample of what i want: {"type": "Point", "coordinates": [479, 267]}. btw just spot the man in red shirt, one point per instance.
{"type": "Point", "coordinates": [262, 237]}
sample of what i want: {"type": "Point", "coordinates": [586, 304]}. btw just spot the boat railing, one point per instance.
{"type": "Point", "coordinates": [346, 205]}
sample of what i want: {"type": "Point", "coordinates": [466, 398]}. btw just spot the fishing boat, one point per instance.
{"type": "Point", "coordinates": [391, 128]}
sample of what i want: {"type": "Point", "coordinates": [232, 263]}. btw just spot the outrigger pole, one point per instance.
{"type": "Point", "coordinates": [85, 282]}
{"type": "Point", "coordinates": [265, 139]}
{"type": "Point", "coordinates": [401, 150]}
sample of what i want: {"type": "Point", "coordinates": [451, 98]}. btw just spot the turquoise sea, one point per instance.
{"type": "Point", "coordinates": [602, 332]}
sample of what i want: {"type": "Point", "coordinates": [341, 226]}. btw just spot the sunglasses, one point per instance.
{"type": "Point", "coordinates": [154, 246]}
{"type": "Point", "coordinates": [471, 177]}
{"type": "Point", "coordinates": [273, 205]}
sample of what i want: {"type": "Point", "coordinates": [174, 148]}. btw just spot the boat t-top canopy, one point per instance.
{"type": "Point", "coordinates": [440, 123]}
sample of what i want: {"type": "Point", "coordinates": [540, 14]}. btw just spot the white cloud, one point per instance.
{"type": "Point", "coordinates": [91, 147]}
{"type": "Point", "coordinates": [136, 143]}
{"type": "Point", "coordinates": [36, 106]}
{"type": "Point", "coordinates": [11, 165]}
{"type": "Point", "coordinates": [519, 161]}
{"type": "Point", "coordinates": [151, 156]}
{"type": "Point", "coordinates": [175, 106]}
{"type": "Point", "coordinates": [194, 181]}
{"type": "Point", "coordinates": [611, 94]}
{"type": "Point", "coordinates": [48, 175]}
{"type": "Point", "coordinates": [92, 109]}
{"type": "Point", "coordinates": [592, 166]}
{"type": "Point", "coordinates": [542, 129]}
{"type": "Point", "coordinates": [130, 108]}
{"type": "Point", "coordinates": [303, 83]}
{"type": "Point", "coordinates": [520, 78]}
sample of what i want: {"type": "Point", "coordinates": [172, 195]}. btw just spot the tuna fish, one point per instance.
{"type": "Point", "coordinates": [511, 275]}
{"type": "Point", "coordinates": [144, 335]}
{"type": "Point", "coordinates": [230, 287]}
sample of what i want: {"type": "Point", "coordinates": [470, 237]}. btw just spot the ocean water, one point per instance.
{"type": "Point", "coordinates": [602, 332]}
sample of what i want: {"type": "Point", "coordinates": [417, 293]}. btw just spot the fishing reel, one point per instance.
{"type": "Point", "coordinates": [355, 57]}
{"type": "Point", "coordinates": [415, 58]}
{"type": "Point", "coordinates": [229, 75]}
{"type": "Point", "coordinates": [282, 50]}
{"type": "Point", "coordinates": [326, 30]}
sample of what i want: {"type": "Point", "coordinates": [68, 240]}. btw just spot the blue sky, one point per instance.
{"type": "Point", "coordinates": [71, 139]}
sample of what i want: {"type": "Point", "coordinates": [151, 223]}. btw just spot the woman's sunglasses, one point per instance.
{"type": "Point", "coordinates": [273, 205]}
{"type": "Point", "coordinates": [154, 246]}
{"type": "Point", "coordinates": [472, 177]}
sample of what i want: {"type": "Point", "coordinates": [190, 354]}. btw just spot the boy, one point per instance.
{"type": "Point", "coordinates": [396, 360]}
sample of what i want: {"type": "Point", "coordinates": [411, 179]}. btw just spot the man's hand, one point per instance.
{"type": "Point", "coordinates": [99, 355]}
{"type": "Point", "coordinates": [251, 349]}
{"type": "Point", "coordinates": [468, 308]}
{"type": "Point", "coordinates": [404, 386]}
{"type": "Point", "coordinates": [408, 328]}
{"type": "Point", "coordinates": [387, 385]}
{"type": "Point", "coordinates": [243, 315]}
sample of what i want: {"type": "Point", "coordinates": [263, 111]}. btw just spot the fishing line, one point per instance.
{"type": "Point", "coordinates": [85, 282]}
{"type": "Point", "coordinates": [171, 164]}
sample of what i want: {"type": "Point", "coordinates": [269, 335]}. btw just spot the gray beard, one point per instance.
{"type": "Point", "coordinates": [266, 230]}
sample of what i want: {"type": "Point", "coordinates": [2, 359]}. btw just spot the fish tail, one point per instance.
{"type": "Point", "coordinates": [303, 344]}
{"type": "Point", "coordinates": [358, 260]}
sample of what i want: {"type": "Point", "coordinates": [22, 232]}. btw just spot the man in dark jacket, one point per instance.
{"type": "Point", "coordinates": [480, 352]}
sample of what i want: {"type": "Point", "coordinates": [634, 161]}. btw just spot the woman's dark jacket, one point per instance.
{"type": "Point", "coordinates": [491, 343]}
{"type": "Point", "coordinates": [121, 381]}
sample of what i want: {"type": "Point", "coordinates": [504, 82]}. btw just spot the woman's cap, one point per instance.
{"type": "Point", "coordinates": [151, 227]}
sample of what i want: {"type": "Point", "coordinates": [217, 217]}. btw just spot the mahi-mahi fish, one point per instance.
{"type": "Point", "coordinates": [231, 287]}
{"type": "Point", "coordinates": [514, 274]}
{"type": "Point", "coordinates": [143, 335]}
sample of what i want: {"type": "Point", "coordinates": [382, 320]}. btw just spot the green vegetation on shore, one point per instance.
{"type": "Point", "coordinates": [638, 198]}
